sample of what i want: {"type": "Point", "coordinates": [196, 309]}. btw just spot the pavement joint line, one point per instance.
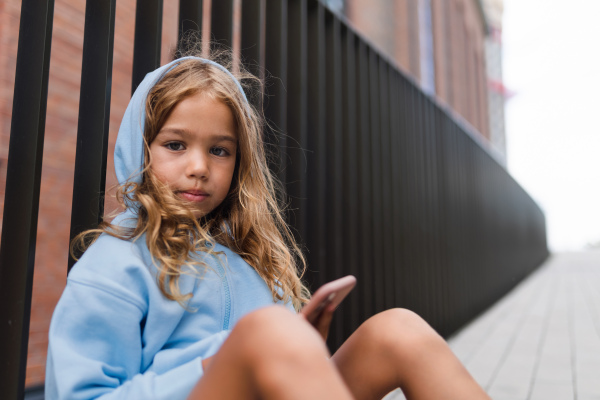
{"type": "Point", "coordinates": [513, 339]}
{"type": "Point", "coordinates": [573, 343]}
{"type": "Point", "coordinates": [550, 307]}
{"type": "Point", "coordinates": [587, 293]}
{"type": "Point", "coordinates": [592, 308]}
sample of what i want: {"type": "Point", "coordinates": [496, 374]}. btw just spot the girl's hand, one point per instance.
{"type": "Point", "coordinates": [319, 310]}
{"type": "Point", "coordinates": [322, 322]}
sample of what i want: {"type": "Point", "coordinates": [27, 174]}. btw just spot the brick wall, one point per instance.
{"type": "Point", "coordinates": [60, 138]}
{"type": "Point", "coordinates": [460, 74]}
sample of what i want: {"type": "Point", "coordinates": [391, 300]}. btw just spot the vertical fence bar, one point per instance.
{"type": "Point", "coordinates": [252, 44]}
{"type": "Point", "coordinates": [190, 17]}
{"type": "Point", "coordinates": [431, 275]}
{"type": "Point", "coordinates": [463, 224]}
{"type": "Point", "coordinates": [401, 192]}
{"type": "Point", "coordinates": [275, 101]}
{"type": "Point", "coordinates": [22, 192]}
{"type": "Point", "coordinates": [350, 171]}
{"type": "Point", "coordinates": [422, 207]}
{"type": "Point", "coordinates": [442, 259]}
{"type": "Point", "coordinates": [470, 226]}
{"type": "Point", "coordinates": [433, 196]}
{"type": "Point", "coordinates": [449, 183]}
{"type": "Point", "coordinates": [94, 115]}
{"type": "Point", "coordinates": [253, 30]}
{"type": "Point", "coordinates": [389, 264]}
{"type": "Point", "coordinates": [148, 34]}
{"type": "Point", "coordinates": [375, 186]}
{"type": "Point", "coordinates": [336, 264]}
{"type": "Point", "coordinates": [317, 238]}
{"type": "Point", "coordinates": [418, 263]}
{"type": "Point", "coordinates": [221, 23]}
{"type": "Point", "coordinates": [428, 277]}
{"type": "Point", "coordinates": [415, 230]}
{"type": "Point", "coordinates": [364, 162]}
{"type": "Point", "coordinates": [396, 187]}
{"type": "Point", "coordinates": [296, 117]}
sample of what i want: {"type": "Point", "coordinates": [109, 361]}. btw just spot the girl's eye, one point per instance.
{"type": "Point", "coordinates": [174, 146]}
{"type": "Point", "coordinates": [219, 151]}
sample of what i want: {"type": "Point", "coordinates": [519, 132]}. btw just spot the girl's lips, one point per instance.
{"type": "Point", "coordinates": [194, 196]}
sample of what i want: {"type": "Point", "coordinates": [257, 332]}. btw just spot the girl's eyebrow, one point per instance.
{"type": "Point", "coordinates": [184, 133]}
{"type": "Point", "coordinates": [228, 138]}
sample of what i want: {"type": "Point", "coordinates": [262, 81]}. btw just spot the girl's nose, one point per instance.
{"type": "Point", "coordinates": [197, 166]}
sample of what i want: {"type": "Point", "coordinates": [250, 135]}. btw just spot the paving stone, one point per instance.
{"type": "Point", "coordinates": [549, 391]}
{"type": "Point", "coordinates": [587, 397]}
{"type": "Point", "coordinates": [509, 391]}
{"type": "Point", "coordinates": [588, 386]}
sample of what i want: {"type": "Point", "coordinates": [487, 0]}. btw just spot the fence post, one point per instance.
{"type": "Point", "coordinates": [221, 23]}
{"type": "Point", "coordinates": [147, 41]}
{"type": "Point", "coordinates": [94, 115]}
{"type": "Point", "coordinates": [22, 194]}
{"type": "Point", "coordinates": [275, 102]}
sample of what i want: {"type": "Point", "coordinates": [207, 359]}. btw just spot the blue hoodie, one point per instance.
{"type": "Point", "coordinates": [113, 334]}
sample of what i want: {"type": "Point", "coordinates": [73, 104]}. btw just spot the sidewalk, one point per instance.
{"type": "Point", "coordinates": [542, 340]}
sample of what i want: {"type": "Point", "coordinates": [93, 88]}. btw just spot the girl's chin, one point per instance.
{"type": "Point", "coordinates": [198, 214]}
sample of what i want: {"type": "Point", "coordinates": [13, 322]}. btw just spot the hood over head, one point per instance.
{"type": "Point", "coordinates": [129, 149]}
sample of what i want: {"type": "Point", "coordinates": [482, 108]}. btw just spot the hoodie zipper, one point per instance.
{"type": "Point", "coordinates": [225, 284]}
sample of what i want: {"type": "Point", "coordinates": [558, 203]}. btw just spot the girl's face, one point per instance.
{"type": "Point", "coordinates": [194, 152]}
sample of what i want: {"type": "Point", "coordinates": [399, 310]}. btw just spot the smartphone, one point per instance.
{"type": "Point", "coordinates": [331, 293]}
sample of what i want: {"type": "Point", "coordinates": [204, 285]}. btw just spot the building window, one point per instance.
{"type": "Point", "coordinates": [426, 47]}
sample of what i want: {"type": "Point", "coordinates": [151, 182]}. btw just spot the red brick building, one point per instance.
{"type": "Point", "coordinates": [440, 43]}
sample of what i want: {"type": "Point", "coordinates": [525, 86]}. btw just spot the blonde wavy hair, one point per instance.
{"type": "Point", "coordinates": [249, 221]}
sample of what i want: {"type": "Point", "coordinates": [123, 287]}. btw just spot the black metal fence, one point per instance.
{"type": "Point", "coordinates": [384, 183]}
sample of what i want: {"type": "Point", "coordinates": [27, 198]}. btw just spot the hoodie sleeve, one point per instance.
{"type": "Point", "coordinates": [95, 351]}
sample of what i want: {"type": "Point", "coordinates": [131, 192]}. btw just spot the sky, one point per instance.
{"type": "Point", "coordinates": [551, 63]}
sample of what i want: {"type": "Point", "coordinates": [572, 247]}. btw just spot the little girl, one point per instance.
{"type": "Point", "coordinates": [192, 291]}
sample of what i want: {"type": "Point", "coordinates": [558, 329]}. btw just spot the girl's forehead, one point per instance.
{"type": "Point", "coordinates": [201, 114]}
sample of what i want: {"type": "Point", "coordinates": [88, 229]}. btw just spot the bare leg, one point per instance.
{"type": "Point", "coordinates": [397, 348]}
{"type": "Point", "coordinates": [271, 354]}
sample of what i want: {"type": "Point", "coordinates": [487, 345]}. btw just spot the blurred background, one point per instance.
{"type": "Point", "coordinates": [540, 63]}
{"type": "Point", "coordinates": [553, 129]}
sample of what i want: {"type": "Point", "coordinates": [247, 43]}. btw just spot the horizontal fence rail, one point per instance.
{"type": "Point", "coordinates": [383, 183]}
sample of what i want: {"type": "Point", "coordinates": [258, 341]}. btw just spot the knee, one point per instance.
{"type": "Point", "coordinates": [277, 332]}
{"type": "Point", "coordinates": [264, 319]}
{"type": "Point", "coordinates": [401, 331]}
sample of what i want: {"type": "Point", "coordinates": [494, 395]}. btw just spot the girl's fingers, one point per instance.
{"type": "Point", "coordinates": [324, 321]}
